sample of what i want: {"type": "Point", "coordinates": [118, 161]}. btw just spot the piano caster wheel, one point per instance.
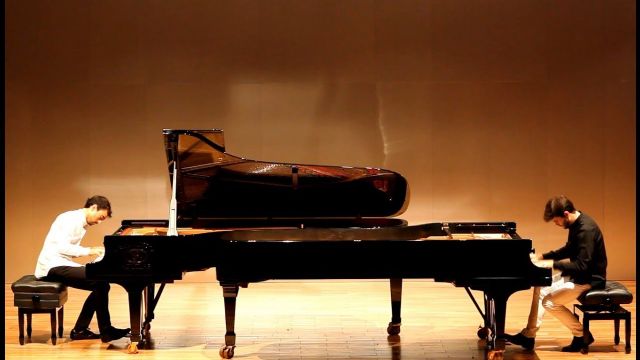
{"type": "Point", "coordinates": [483, 332]}
{"type": "Point", "coordinates": [393, 329]}
{"type": "Point", "coordinates": [132, 348]}
{"type": "Point", "coordinates": [495, 355]}
{"type": "Point", "coordinates": [226, 352]}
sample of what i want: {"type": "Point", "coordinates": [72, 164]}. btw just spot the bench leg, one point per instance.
{"type": "Point", "coordinates": [627, 333]}
{"type": "Point", "coordinates": [28, 324]}
{"type": "Point", "coordinates": [616, 331]}
{"type": "Point", "coordinates": [53, 326]}
{"type": "Point", "coordinates": [585, 327]}
{"type": "Point", "coordinates": [21, 325]}
{"type": "Point", "coordinates": [60, 321]}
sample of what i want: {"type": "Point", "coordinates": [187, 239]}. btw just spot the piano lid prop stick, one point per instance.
{"type": "Point", "coordinates": [173, 231]}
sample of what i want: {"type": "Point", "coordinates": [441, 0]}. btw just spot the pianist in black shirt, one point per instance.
{"type": "Point", "coordinates": [585, 269]}
{"type": "Point", "coordinates": [55, 263]}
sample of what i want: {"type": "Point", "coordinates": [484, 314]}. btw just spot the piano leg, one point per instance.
{"type": "Point", "coordinates": [149, 293]}
{"type": "Point", "coordinates": [135, 305]}
{"type": "Point", "coordinates": [150, 302]}
{"type": "Point", "coordinates": [488, 330]}
{"type": "Point", "coordinates": [230, 293]}
{"type": "Point", "coordinates": [496, 311]}
{"type": "Point", "coordinates": [396, 302]}
{"type": "Point", "coordinates": [500, 314]}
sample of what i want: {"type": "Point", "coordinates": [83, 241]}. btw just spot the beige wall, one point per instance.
{"type": "Point", "coordinates": [487, 107]}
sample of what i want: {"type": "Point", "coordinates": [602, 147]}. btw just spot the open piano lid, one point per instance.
{"type": "Point", "coordinates": [212, 184]}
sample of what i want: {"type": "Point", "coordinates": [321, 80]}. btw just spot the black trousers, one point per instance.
{"type": "Point", "coordinates": [97, 302]}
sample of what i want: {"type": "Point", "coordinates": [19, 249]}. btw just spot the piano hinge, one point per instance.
{"type": "Point", "coordinates": [294, 177]}
{"type": "Point", "coordinates": [445, 228]}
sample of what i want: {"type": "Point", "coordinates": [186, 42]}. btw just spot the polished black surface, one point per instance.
{"type": "Point", "coordinates": [215, 184]}
{"type": "Point", "coordinates": [249, 251]}
{"type": "Point", "coordinates": [256, 221]}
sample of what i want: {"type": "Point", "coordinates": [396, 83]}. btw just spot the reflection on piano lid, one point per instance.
{"type": "Point", "coordinates": [212, 184]}
{"type": "Point", "coordinates": [292, 233]}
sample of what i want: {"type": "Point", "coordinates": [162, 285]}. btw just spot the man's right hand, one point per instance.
{"type": "Point", "coordinates": [96, 250]}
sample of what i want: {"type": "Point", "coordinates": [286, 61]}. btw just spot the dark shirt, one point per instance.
{"type": "Point", "coordinates": [586, 252]}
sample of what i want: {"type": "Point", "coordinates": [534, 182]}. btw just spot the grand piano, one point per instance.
{"type": "Point", "coordinates": [256, 221]}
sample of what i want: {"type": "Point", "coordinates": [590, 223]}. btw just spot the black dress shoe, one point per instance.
{"type": "Point", "coordinates": [111, 333]}
{"type": "Point", "coordinates": [84, 334]}
{"type": "Point", "coordinates": [578, 343]}
{"type": "Point", "coordinates": [519, 339]}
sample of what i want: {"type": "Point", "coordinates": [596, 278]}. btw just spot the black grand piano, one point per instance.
{"type": "Point", "coordinates": [255, 221]}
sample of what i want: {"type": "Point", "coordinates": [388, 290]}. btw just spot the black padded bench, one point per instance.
{"type": "Point", "coordinates": [604, 304]}
{"type": "Point", "coordinates": [33, 296]}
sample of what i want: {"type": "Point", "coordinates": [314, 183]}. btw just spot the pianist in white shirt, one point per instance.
{"type": "Point", "coordinates": [55, 263]}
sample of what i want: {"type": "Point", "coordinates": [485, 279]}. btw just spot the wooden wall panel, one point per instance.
{"type": "Point", "coordinates": [487, 107]}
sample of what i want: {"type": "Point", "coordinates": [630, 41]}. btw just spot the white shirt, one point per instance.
{"type": "Point", "coordinates": [63, 242]}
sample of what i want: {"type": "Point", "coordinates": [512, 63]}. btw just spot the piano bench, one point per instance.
{"type": "Point", "coordinates": [604, 304]}
{"type": "Point", "coordinates": [33, 296]}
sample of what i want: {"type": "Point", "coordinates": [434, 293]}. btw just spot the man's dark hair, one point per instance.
{"type": "Point", "coordinates": [556, 206]}
{"type": "Point", "coordinates": [100, 201]}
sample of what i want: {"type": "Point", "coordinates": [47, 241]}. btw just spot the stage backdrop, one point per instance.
{"type": "Point", "coordinates": [487, 107]}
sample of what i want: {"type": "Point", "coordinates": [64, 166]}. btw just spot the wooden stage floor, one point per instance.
{"type": "Point", "coordinates": [311, 320]}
